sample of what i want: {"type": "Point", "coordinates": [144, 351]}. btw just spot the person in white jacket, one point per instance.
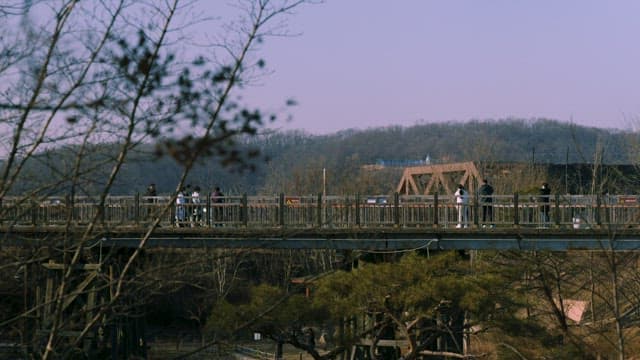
{"type": "Point", "coordinates": [181, 211]}
{"type": "Point", "coordinates": [462, 205]}
{"type": "Point", "coordinates": [196, 216]}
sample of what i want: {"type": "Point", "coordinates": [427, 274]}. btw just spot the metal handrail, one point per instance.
{"type": "Point", "coordinates": [348, 211]}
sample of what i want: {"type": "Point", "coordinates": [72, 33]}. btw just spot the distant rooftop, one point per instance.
{"type": "Point", "coordinates": [403, 163]}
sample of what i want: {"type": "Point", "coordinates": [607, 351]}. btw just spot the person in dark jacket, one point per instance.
{"type": "Point", "coordinates": [151, 190]}
{"type": "Point", "coordinates": [150, 198]}
{"type": "Point", "coordinates": [544, 195]}
{"type": "Point", "coordinates": [217, 198]}
{"type": "Point", "coordinates": [486, 199]}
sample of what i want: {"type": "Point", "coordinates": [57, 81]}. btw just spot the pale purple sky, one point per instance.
{"type": "Point", "coordinates": [370, 63]}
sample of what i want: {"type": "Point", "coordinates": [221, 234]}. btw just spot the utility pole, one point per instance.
{"type": "Point", "coordinates": [324, 182]}
{"type": "Point", "coordinates": [533, 156]}
{"type": "Point", "coordinates": [566, 172]}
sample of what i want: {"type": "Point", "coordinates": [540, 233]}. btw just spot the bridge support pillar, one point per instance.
{"type": "Point", "coordinates": [81, 296]}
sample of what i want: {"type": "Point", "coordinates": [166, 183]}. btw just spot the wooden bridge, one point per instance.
{"type": "Point", "coordinates": [369, 222]}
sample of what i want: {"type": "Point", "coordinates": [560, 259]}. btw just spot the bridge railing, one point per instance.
{"type": "Point", "coordinates": [571, 211]}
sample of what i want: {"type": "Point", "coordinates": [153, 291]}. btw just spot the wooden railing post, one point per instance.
{"type": "Point", "coordinates": [476, 209]}
{"type": "Point", "coordinates": [516, 211]}
{"type": "Point", "coordinates": [136, 211]}
{"type": "Point", "coordinates": [598, 209]}
{"type": "Point", "coordinates": [357, 210]}
{"type": "Point", "coordinates": [245, 210]}
{"type": "Point", "coordinates": [173, 213]}
{"type": "Point", "coordinates": [281, 207]}
{"type": "Point", "coordinates": [436, 208]}
{"type": "Point", "coordinates": [607, 210]}
{"type": "Point", "coordinates": [209, 211]}
{"type": "Point", "coordinates": [68, 208]}
{"type": "Point", "coordinates": [34, 212]}
{"type": "Point", "coordinates": [556, 213]}
{"type": "Point", "coordinates": [396, 209]}
{"type": "Point", "coordinates": [104, 216]}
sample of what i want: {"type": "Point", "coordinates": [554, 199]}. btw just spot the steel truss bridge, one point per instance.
{"type": "Point", "coordinates": [366, 222]}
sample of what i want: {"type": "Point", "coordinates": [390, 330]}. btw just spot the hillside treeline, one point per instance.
{"type": "Point", "coordinates": [297, 162]}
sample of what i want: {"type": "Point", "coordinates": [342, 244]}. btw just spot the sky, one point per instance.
{"type": "Point", "coordinates": [358, 64]}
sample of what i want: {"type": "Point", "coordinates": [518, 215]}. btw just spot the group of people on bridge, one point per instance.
{"type": "Point", "coordinates": [190, 209]}
{"type": "Point", "coordinates": [486, 199]}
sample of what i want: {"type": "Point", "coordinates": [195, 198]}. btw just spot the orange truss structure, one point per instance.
{"type": "Point", "coordinates": [431, 179]}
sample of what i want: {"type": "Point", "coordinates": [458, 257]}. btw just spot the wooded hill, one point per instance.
{"type": "Point", "coordinates": [293, 162]}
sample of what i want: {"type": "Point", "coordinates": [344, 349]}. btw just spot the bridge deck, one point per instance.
{"type": "Point", "coordinates": [372, 239]}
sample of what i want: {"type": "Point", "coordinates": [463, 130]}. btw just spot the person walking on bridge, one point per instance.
{"type": "Point", "coordinates": [217, 198]}
{"type": "Point", "coordinates": [151, 191]}
{"type": "Point", "coordinates": [181, 211]}
{"type": "Point", "coordinates": [462, 205]}
{"type": "Point", "coordinates": [486, 192]}
{"type": "Point", "coordinates": [150, 199]}
{"type": "Point", "coordinates": [543, 198]}
{"type": "Point", "coordinates": [196, 216]}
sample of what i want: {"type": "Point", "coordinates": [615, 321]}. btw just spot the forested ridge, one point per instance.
{"type": "Point", "coordinates": [293, 162]}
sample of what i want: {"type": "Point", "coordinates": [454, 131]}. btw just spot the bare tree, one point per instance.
{"type": "Point", "coordinates": [75, 74]}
